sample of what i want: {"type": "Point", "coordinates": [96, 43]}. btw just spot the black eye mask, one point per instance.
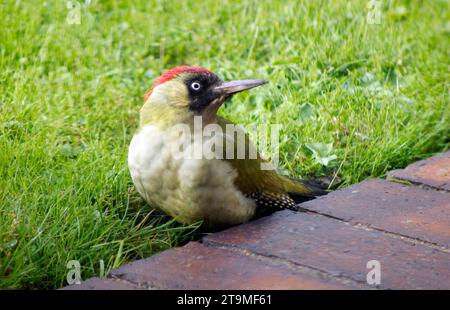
{"type": "Point", "coordinates": [201, 98]}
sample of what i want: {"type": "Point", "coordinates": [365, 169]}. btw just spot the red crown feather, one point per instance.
{"type": "Point", "coordinates": [171, 73]}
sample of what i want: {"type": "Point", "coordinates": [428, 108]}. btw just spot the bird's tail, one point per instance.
{"type": "Point", "coordinates": [301, 190]}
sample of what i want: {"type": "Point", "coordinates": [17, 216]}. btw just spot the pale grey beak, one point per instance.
{"type": "Point", "coordinates": [232, 87]}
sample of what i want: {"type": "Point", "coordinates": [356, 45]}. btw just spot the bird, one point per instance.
{"type": "Point", "coordinates": [221, 191]}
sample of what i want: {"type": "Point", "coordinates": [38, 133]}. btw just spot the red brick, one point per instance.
{"type": "Point", "coordinates": [408, 210]}
{"type": "Point", "coordinates": [102, 284]}
{"type": "Point", "coordinates": [434, 172]}
{"type": "Point", "coordinates": [340, 249]}
{"type": "Point", "coordinates": [196, 266]}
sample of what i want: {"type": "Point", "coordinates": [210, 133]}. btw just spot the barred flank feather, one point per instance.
{"type": "Point", "coordinates": [267, 200]}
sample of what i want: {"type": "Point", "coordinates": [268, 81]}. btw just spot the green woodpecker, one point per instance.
{"type": "Point", "coordinates": [222, 190]}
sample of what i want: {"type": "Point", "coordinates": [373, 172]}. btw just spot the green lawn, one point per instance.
{"type": "Point", "coordinates": [70, 96]}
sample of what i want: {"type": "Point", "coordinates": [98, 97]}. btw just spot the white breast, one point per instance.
{"type": "Point", "coordinates": [186, 188]}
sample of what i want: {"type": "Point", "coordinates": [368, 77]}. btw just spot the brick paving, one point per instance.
{"type": "Point", "coordinates": [402, 222]}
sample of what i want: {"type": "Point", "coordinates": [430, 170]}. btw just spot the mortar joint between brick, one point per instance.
{"type": "Point", "coordinates": [273, 259]}
{"type": "Point", "coordinates": [411, 183]}
{"type": "Point", "coordinates": [403, 238]}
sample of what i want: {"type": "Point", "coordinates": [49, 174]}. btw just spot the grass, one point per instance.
{"type": "Point", "coordinates": [70, 96]}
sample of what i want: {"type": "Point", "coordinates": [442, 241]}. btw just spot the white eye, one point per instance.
{"type": "Point", "coordinates": [196, 85]}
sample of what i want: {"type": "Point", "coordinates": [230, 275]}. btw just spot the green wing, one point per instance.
{"type": "Point", "coordinates": [266, 184]}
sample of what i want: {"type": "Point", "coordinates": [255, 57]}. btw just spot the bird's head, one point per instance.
{"type": "Point", "coordinates": [182, 92]}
